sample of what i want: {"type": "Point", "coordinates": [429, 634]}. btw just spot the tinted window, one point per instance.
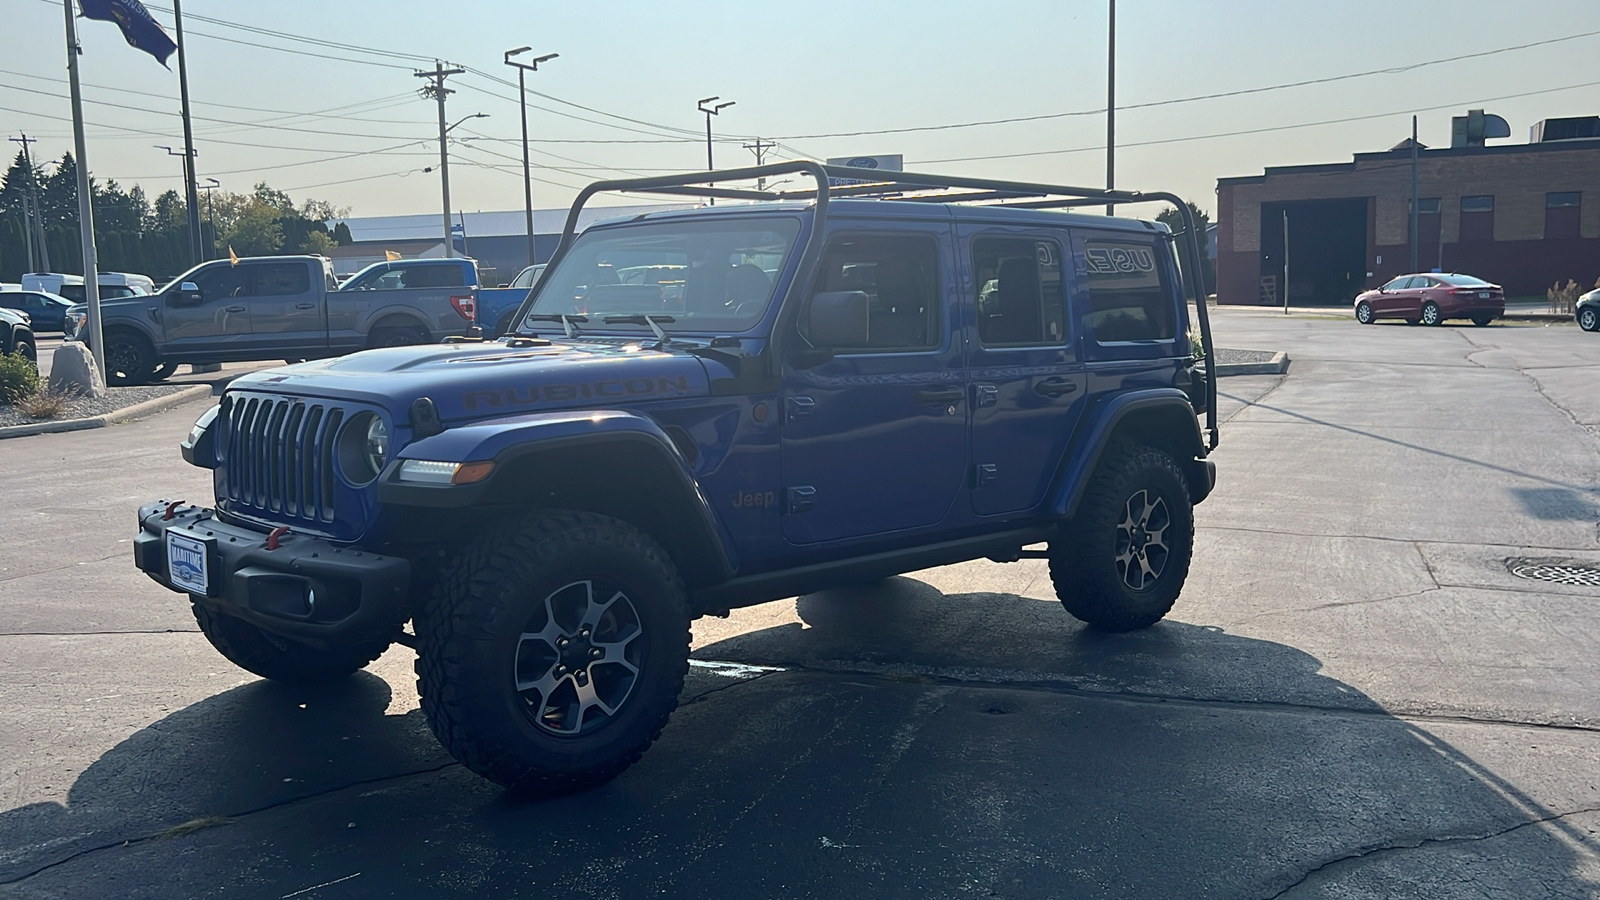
{"type": "Point", "coordinates": [12, 300]}
{"type": "Point", "coordinates": [1397, 284]}
{"type": "Point", "coordinates": [432, 276]}
{"type": "Point", "coordinates": [1462, 280]}
{"type": "Point", "coordinates": [1020, 295]}
{"type": "Point", "coordinates": [281, 279]}
{"type": "Point", "coordinates": [223, 283]}
{"type": "Point", "coordinates": [900, 278]}
{"type": "Point", "coordinates": [1129, 295]}
{"type": "Point", "coordinates": [73, 292]}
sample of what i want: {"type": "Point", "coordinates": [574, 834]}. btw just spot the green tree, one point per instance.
{"type": "Point", "coordinates": [1171, 218]}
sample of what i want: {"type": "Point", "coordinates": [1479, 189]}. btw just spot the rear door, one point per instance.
{"type": "Point", "coordinates": [286, 307]}
{"type": "Point", "coordinates": [875, 437]}
{"type": "Point", "coordinates": [1128, 310]}
{"type": "Point", "coordinates": [1028, 383]}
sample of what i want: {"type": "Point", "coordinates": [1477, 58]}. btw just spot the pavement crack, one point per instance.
{"type": "Point", "coordinates": [1249, 403]}
{"type": "Point", "coordinates": [1394, 540]}
{"type": "Point", "coordinates": [1369, 852]}
{"type": "Point", "coordinates": [166, 833]}
{"type": "Point", "coordinates": [1337, 604]}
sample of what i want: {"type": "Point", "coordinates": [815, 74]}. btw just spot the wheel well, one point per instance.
{"type": "Point", "coordinates": [1170, 428]}
{"type": "Point", "coordinates": [398, 320]}
{"type": "Point", "coordinates": [627, 480]}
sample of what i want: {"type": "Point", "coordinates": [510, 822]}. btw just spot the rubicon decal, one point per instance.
{"type": "Point", "coordinates": [617, 389]}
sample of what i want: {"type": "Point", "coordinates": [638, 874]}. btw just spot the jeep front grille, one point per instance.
{"type": "Point", "coordinates": [278, 454]}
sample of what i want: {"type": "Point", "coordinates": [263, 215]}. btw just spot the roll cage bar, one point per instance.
{"type": "Point", "coordinates": [914, 187]}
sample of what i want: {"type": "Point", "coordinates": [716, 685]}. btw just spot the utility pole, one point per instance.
{"type": "Point", "coordinates": [527, 172]}
{"type": "Point", "coordinates": [191, 195]}
{"type": "Point", "coordinates": [1414, 194]}
{"type": "Point", "coordinates": [437, 91]}
{"type": "Point", "coordinates": [1286, 260]}
{"type": "Point", "coordinates": [211, 221]}
{"type": "Point", "coordinates": [91, 265]}
{"type": "Point", "coordinates": [1111, 105]}
{"type": "Point", "coordinates": [760, 148]}
{"type": "Point", "coordinates": [27, 207]}
{"type": "Point", "coordinates": [33, 222]}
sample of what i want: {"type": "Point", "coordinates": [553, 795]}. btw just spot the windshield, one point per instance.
{"type": "Point", "coordinates": [707, 276]}
{"type": "Point", "coordinates": [1462, 281]}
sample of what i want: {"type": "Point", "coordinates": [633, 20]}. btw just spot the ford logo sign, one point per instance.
{"type": "Point", "coordinates": [863, 162]}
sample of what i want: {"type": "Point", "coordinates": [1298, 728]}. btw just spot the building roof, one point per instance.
{"type": "Point", "coordinates": [430, 226]}
{"type": "Point", "coordinates": [1403, 151]}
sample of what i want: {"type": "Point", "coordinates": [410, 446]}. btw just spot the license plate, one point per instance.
{"type": "Point", "coordinates": [186, 563]}
{"type": "Point", "coordinates": [1483, 295]}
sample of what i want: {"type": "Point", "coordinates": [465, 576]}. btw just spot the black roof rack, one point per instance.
{"type": "Point", "coordinates": [922, 188]}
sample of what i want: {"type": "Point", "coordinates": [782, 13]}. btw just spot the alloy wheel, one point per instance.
{"type": "Point", "coordinates": [1141, 548]}
{"type": "Point", "coordinates": [579, 657]}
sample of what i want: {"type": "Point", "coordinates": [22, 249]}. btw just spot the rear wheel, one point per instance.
{"type": "Point", "coordinates": [1589, 319]}
{"type": "Point", "coordinates": [1364, 313]}
{"type": "Point", "coordinates": [1431, 314]}
{"type": "Point", "coordinates": [398, 336]}
{"type": "Point", "coordinates": [129, 358]}
{"type": "Point", "coordinates": [553, 651]}
{"type": "Point", "coordinates": [503, 326]}
{"type": "Point", "coordinates": [280, 659]}
{"type": "Point", "coordinates": [1122, 560]}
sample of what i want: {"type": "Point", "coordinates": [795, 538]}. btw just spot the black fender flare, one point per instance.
{"type": "Point", "coordinates": [656, 490]}
{"type": "Point", "coordinates": [1164, 414]}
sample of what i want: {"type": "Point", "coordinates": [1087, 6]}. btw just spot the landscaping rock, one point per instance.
{"type": "Point", "coordinates": [72, 369]}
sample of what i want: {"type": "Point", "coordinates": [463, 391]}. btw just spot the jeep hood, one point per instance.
{"type": "Point", "coordinates": [471, 381]}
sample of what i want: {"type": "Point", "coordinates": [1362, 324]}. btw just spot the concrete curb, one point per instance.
{"type": "Point", "coordinates": [137, 410]}
{"type": "Point", "coordinates": [1278, 365]}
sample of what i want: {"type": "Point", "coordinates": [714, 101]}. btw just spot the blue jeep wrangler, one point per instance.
{"type": "Point", "coordinates": [700, 410]}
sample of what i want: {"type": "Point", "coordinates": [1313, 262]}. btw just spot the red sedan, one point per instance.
{"type": "Point", "coordinates": [1432, 298]}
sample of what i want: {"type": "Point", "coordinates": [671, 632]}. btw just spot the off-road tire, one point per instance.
{"type": "Point", "coordinates": [1084, 556]}
{"type": "Point", "coordinates": [1364, 313]}
{"type": "Point", "coordinates": [280, 659]}
{"type": "Point", "coordinates": [397, 336]}
{"type": "Point", "coordinates": [473, 634]}
{"type": "Point", "coordinates": [1589, 318]}
{"type": "Point", "coordinates": [1431, 314]}
{"type": "Point", "coordinates": [130, 359]}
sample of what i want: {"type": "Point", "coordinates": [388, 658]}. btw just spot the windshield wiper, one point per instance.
{"type": "Point", "coordinates": [653, 321]}
{"type": "Point", "coordinates": [566, 320]}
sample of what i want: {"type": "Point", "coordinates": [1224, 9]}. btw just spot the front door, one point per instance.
{"type": "Point", "coordinates": [875, 437]}
{"type": "Point", "coordinates": [221, 320]}
{"type": "Point", "coordinates": [1028, 385]}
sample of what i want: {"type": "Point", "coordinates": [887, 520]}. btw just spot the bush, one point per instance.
{"type": "Point", "coordinates": [45, 403]}
{"type": "Point", "coordinates": [19, 378]}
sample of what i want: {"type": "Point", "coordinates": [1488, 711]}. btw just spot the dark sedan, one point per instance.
{"type": "Point", "coordinates": [48, 311]}
{"type": "Point", "coordinates": [1431, 298]}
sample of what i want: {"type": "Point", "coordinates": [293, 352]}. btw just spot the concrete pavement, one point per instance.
{"type": "Point", "coordinates": [1353, 698]}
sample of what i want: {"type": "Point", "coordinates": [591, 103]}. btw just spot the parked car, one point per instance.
{"type": "Point", "coordinates": [16, 335]}
{"type": "Point", "coordinates": [496, 306]}
{"type": "Point", "coordinates": [552, 509]}
{"type": "Point", "coordinates": [113, 285]}
{"type": "Point", "coordinates": [1431, 298]}
{"type": "Point", "coordinates": [48, 311]}
{"type": "Point", "coordinates": [1587, 311]}
{"type": "Point", "coordinates": [269, 307]}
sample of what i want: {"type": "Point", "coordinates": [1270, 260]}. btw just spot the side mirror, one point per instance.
{"type": "Point", "coordinates": [187, 294]}
{"type": "Point", "coordinates": [838, 319]}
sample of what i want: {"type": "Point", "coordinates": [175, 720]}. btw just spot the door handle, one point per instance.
{"type": "Point", "coordinates": [305, 306]}
{"type": "Point", "coordinates": [987, 394]}
{"type": "Point", "coordinates": [939, 396]}
{"type": "Point", "coordinates": [235, 309]}
{"type": "Point", "coordinates": [1055, 387]}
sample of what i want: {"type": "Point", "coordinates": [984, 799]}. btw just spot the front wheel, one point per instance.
{"type": "Point", "coordinates": [1364, 313]}
{"type": "Point", "coordinates": [129, 358]}
{"type": "Point", "coordinates": [1121, 562]}
{"type": "Point", "coordinates": [1589, 319]}
{"type": "Point", "coordinates": [280, 659]}
{"type": "Point", "coordinates": [553, 651]}
{"type": "Point", "coordinates": [163, 371]}
{"type": "Point", "coordinates": [25, 349]}
{"type": "Point", "coordinates": [1431, 314]}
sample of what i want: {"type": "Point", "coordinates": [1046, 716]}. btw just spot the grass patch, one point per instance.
{"type": "Point", "coordinates": [45, 403]}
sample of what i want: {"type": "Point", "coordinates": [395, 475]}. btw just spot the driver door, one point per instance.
{"type": "Point", "coordinates": [220, 320]}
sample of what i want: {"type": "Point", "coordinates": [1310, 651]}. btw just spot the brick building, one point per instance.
{"type": "Point", "coordinates": [1520, 215]}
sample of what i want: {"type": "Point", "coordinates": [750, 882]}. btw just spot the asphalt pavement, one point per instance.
{"type": "Point", "coordinates": [1355, 696]}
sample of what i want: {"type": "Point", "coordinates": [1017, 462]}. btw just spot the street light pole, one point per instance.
{"type": "Point", "coordinates": [191, 197]}
{"type": "Point", "coordinates": [522, 96]}
{"type": "Point", "coordinates": [711, 111]}
{"type": "Point", "coordinates": [206, 247]}
{"type": "Point", "coordinates": [437, 91]}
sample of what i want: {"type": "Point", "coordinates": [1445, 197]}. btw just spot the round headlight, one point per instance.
{"type": "Point", "coordinates": [377, 446]}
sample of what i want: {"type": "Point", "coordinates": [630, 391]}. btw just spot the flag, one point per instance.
{"type": "Point", "coordinates": [390, 255]}
{"type": "Point", "coordinates": [233, 258]}
{"type": "Point", "coordinates": [139, 28]}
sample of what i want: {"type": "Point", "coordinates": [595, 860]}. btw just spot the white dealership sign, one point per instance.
{"type": "Point", "coordinates": [891, 163]}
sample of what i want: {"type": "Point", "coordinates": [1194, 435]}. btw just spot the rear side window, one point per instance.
{"type": "Point", "coordinates": [431, 276]}
{"type": "Point", "coordinates": [1130, 298]}
{"type": "Point", "coordinates": [281, 279]}
{"type": "Point", "coordinates": [900, 278]}
{"type": "Point", "coordinates": [1020, 296]}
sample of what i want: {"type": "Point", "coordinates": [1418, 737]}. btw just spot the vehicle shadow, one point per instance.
{"type": "Point", "coordinates": [913, 744]}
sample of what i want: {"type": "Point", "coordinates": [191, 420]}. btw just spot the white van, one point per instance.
{"type": "Point", "coordinates": [112, 285]}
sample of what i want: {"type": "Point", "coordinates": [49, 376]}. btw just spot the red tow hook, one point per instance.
{"type": "Point", "coordinates": [171, 507]}
{"type": "Point", "coordinates": [272, 539]}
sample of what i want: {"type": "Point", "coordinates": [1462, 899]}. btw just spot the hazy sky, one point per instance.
{"type": "Point", "coordinates": [794, 70]}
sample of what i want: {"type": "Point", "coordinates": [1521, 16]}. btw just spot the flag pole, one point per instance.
{"type": "Point", "coordinates": [91, 274]}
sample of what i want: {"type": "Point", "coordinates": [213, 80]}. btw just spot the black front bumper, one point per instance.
{"type": "Point", "coordinates": [308, 589]}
